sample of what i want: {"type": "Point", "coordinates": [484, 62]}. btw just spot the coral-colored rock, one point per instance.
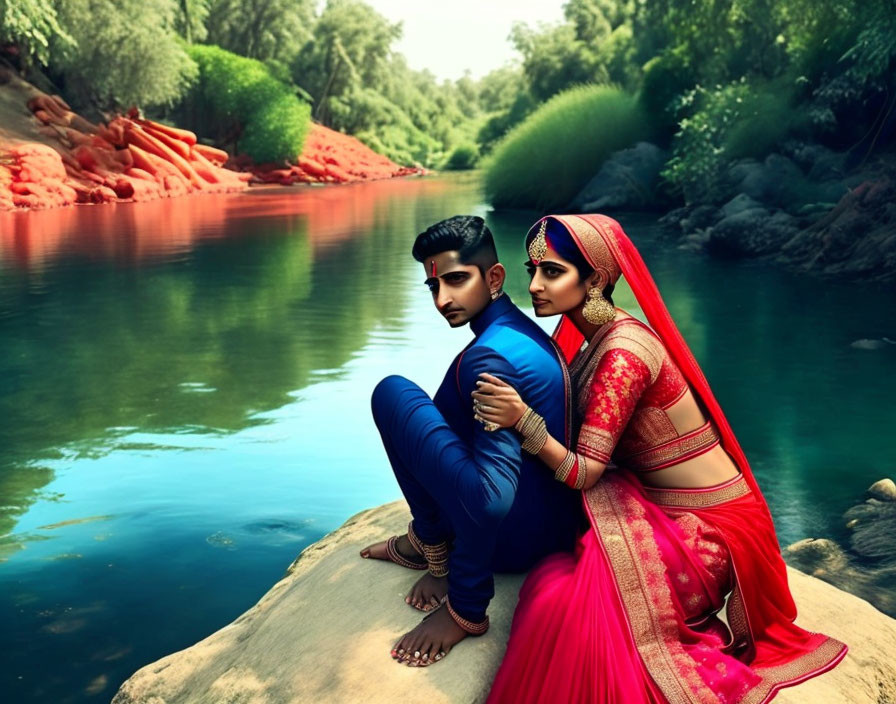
{"type": "Point", "coordinates": [332, 157]}
{"type": "Point", "coordinates": [72, 160]}
{"type": "Point", "coordinates": [127, 159]}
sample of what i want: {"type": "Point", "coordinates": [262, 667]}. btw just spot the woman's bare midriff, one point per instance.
{"type": "Point", "coordinates": [710, 468]}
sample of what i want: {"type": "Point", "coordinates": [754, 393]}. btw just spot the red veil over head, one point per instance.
{"type": "Point", "coordinates": [606, 246]}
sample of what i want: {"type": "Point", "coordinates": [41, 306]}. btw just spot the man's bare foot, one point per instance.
{"type": "Point", "coordinates": [377, 551]}
{"type": "Point", "coordinates": [428, 592]}
{"type": "Point", "coordinates": [430, 641]}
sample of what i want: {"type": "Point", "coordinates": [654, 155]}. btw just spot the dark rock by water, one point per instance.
{"type": "Point", "coordinates": [752, 232]}
{"type": "Point", "coordinates": [628, 180]}
{"type": "Point", "coordinates": [867, 567]}
{"type": "Point", "coordinates": [801, 209]}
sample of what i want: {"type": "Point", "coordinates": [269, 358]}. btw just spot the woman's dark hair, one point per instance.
{"type": "Point", "coordinates": [561, 241]}
{"type": "Point", "coordinates": [466, 234]}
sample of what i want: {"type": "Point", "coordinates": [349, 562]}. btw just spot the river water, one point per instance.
{"type": "Point", "coordinates": [184, 400]}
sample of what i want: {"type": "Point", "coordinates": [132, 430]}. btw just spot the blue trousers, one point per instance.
{"type": "Point", "coordinates": [452, 499]}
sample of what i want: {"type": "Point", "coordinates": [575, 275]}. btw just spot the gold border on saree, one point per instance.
{"type": "Point", "coordinates": [699, 498]}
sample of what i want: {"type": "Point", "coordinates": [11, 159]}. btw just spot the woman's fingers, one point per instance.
{"type": "Point", "coordinates": [483, 387]}
{"type": "Point", "coordinates": [498, 400]}
{"type": "Point", "coordinates": [493, 379]}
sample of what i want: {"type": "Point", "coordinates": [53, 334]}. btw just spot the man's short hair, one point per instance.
{"type": "Point", "coordinates": [466, 234]}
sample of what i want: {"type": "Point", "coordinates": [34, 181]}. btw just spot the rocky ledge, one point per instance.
{"type": "Point", "coordinates": [806, 208]}
{"type": "Point", "coordinates": [323, 634]}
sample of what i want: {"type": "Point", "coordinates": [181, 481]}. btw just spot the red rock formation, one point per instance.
{"type": "Point", "coordinates": [60, 158]}
{"type": "Point", "coordinates": [128, 159]}
{"type": "Point", "coordinates": [333, 157]}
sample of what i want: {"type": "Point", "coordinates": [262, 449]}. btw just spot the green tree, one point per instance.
{"type": "Point", "coordinates": [31, 25]}
{"type": "Point", "coordinates": [350, 50]}
{"type": "Point", "coordinates": [267, 30]}
{"type": "Point", "coordinates": [238, 100]}
{"type": "Point", "coordinates": [107, 67]}
{"type": "Point", "coordinates": [555, 59]}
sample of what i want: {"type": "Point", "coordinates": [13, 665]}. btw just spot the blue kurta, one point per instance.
{"type": "Point", "coordinates": [501, 506]}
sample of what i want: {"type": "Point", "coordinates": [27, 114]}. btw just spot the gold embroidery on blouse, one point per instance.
{"type": "Point", "coordinates": [637, 339]}
{"type": "Point", "coordinates": [595, 443]}
{"type": "Point", "coordinates": [649, 427]}
{"type": "Point", "coordinates": [679, 448]}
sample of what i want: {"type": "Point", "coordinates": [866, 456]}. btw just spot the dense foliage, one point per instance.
{"type": "Point", "coordinates": [725, 79]}
{"type": "Point", "coordinates": [544, 161]}
{"type": "Point", "coordinates": [718, 79]}
{"type": "Point", "coordinates": [240, 100]}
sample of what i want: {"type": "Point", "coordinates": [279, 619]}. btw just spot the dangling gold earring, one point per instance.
{"type": "Point", "coordinates": [597, 309]}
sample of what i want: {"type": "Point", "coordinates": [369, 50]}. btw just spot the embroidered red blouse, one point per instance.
{"type": "Point", "coordinates": [626, 382]}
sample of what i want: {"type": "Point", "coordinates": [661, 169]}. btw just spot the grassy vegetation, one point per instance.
{"type": "Point", "coordinates": [463, 158]}
{"type": "Point", "coordinates": [241, 96]}
{"type": "Point", "coordinates": [546, 160]}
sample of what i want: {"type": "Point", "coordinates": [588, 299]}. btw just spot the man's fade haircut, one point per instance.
{"type": "Point", "coordinates": [468, 235]}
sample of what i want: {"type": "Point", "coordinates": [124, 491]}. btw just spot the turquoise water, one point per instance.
{"type": "Point", "coordinates": [184, 400]}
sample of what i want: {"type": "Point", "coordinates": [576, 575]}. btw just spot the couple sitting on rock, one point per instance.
{"type": "Point", "coordinates": [600, 455]}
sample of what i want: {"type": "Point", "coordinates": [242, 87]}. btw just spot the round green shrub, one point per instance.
{"type": "Point", "coordinates": [462, 158]}
{"type": "Point", "coordinates": [665, 79]}
{"type": "Point", "coordinates": [547, 159]}
{"type": "Point", "coordinates": [234, 89]}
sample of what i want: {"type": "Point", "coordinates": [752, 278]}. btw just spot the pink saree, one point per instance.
{"type": "Point", "coordinates": [633, 616]}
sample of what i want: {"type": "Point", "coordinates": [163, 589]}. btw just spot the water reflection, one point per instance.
{"type": "Point", "coordinates": [192, 316]}
{"type": "Point", "coordinates": [184, 399]}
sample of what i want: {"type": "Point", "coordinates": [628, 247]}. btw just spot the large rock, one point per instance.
{"type": "Point", "coordinates": [627, 180]}
{"type": "Point", "coordinates": [751, 233]}
{"type": "Point", "coordinates": [323, 634]}
{"type": "Point", "coordinates": [855, 239]}
{"type": "Point", "coordinates": [779, 182]}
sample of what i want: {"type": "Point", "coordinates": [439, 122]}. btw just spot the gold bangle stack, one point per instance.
{"type": "Point", "coordinates": [583, 473]}
{"type": "Point", "coordinates": [534, 431]}
{"type": "Point", "coordinates": [565, 467]}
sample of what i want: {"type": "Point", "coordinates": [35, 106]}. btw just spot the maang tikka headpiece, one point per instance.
{"type": "Point", "coordinates": [538, 247]}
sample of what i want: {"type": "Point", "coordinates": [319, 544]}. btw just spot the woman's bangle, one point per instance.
{"type": "Point", "coordinates": [565, 467]}
{"type": "Point", "coordinates": [573, 479]}
{"type": "Point", "coordinates": [583, 472]}
{"type": "Point", "coordinates": [533, 429]}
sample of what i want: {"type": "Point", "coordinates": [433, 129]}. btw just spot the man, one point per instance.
{"type": "Point", "coordinates": [479, 503]}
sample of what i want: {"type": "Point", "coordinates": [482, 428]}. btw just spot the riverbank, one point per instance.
{"type": "Point", "coordinates": [322, 633]}
{"type": "Point", "coordinates": [52, 157]}
{"type": "Point", "coordinates": [805, 208]}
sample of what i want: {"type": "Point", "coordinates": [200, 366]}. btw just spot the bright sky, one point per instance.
{"type": "Point", "coordinates": [450, 36]}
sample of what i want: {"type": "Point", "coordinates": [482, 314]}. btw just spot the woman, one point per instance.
{"type": "Point", "coordinates": [677, 522]}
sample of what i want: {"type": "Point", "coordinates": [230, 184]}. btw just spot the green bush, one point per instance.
{"type": "Point", "coordinates": [242, 94]}
{"type": "Point", "coordinates": [383, 126]}
{"type": "Point", "coordinates": [545, 161]}
{"type": "Point", "coordinates": [727, 122]}
{"type": "Point", "coordinates": [498, 123]}
{"type": "Point", "coordinates": [462, 158]}
{"type": "Point", "coordinates": [666, 78]}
